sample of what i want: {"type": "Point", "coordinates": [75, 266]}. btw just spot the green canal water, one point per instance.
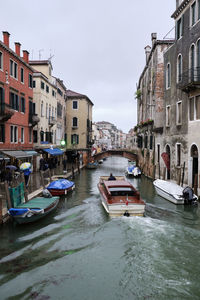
{"type": "Point", "coordinates": [78, 252]}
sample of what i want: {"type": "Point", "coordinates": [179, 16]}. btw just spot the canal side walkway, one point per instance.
{"type": "Point", "coordinates": [36, 186]}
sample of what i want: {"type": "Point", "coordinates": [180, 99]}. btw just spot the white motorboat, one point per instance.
{"type": "Point", "coordinates": [174, 192]}
{"type": "Point", "coordinates": [120, 198]}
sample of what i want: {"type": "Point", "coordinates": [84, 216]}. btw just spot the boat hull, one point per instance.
{"type": "Point", "coordinates": [167, 196]}
{"type": "Point", "coordinates": [36, 217]}
{"type": "Point", "coordinates": [60, 192]}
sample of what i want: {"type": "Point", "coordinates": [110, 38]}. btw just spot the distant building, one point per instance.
{"type": "Point", "coordinates": [79, 120]}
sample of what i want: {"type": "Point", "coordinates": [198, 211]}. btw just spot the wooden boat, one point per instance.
{"type": "Point", "coordinates": [92, 165]}
{"type": "Point", "coordinates": [34, 209]}
{"type": "Point", "coordinates": [174, 192]}
{"type": "Point", "coordinates": [120, 198]}
{"type": "Point", "coordinates": [60, 187]}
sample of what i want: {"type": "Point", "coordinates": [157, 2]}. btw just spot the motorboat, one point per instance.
{"type": "Point", "coordinates": [134, 171]}
{"type": "Point", "coordinates": [174, 192]}
{"type": "Point", "coordinates": [92, 165]}
{"type": "Point", "coordinates": [60, 187]}
{"type": "Point", "coordinates": [120, 198]}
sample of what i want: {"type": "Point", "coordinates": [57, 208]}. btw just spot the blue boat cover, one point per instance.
{"type": "Point", "coordinates": [130, 169]}
{"type": "Point", "coordinates": [60, 184]}
{"type": "Point", "coordinates": [17, 211]}
{"type": "Point", "coordinates": [54, 151]}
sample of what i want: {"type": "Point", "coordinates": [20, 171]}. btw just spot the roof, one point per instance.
{"type": "Point", "coordinates": [116, 183]}
{"type": "Point", "coordinates": [75, 95]}
{"type": "Point", "coordinates": [180, 8]}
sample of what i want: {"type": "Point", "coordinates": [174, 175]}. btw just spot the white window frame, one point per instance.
{"type": "Point", "coordinates": [168, 115]}
{"type": "Point", "coordinates": [179, 111]}
{"type": "Point", "coordinates": [15, 134]}
{"type": "Point", "coordinates": [22, 81]}
{"type": "Point", "coordinates": [13, 70]}
{"type": "Point", "coordinates": [191, 13]}
{"type": "Point", "coordinates": [11, 134]}
{"type": "Point", "coordinates": [181, 28]}
{"type": "Point", "coordinates": [179, 74]}
{"type": "Point", "coordinates": [42, 109]}
{"type": "Point", "coordinates": [168, 76]}
{"type": "Point", "coordinates": [1, 61]}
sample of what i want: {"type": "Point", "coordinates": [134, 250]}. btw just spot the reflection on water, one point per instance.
{"type": "Point", "coordinates": [78, 252]}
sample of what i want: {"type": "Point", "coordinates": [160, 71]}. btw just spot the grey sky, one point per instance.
{"type": "Point", "coordinates": [98, 45]}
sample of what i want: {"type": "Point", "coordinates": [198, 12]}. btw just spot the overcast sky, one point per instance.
{"type": "Point", "coordinates": [97, 45]}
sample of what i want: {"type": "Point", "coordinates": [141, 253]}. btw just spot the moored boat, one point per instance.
{"type": "Point", "coordinates": [60, 187]}
{"type": "Point", "coordinates": [120, 198]}
{"type": "Point", "coordinates": [174, 192]}
{"type": "Point", "coordinates": [34, 209]}
{"type": "Point", "coordinates": [92, 165]}
{"type": "Point", "coordinates": [133, 171]}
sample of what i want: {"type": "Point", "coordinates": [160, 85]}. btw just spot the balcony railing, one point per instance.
{"type": "Point", "coordinates": [52, 121]}
{"type": "Point", "coordinates": [189, 80]}
{"type": "Point", "coordinates": [6, 112]}
{"type": "Point", "coordinates": [33, 119]}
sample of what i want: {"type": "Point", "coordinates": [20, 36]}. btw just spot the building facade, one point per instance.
{"type": "Point", "coordinates": [16, 98]}
{"type": "Point", "coordinates": [79, 121]}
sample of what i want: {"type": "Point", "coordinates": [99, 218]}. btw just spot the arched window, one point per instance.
{"type": "Point", "coordinates": [75, 122]}
{"type": "Point", "coordinates": [168, 76]}
{"type": "Point", "coordinates": [179, 68]}
{"type": "Point", "coordinates": [192, 62]}
{"type": "Point", "coordinates": [42, 109]}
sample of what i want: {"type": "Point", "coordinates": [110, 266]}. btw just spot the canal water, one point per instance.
{"type": "Point", "coordinates": [78, 252]}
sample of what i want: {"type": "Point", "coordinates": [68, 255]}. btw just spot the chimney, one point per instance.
{"type": "Point", "coordinates": [17, 48]}
{"type": "Point", "coordinates": [147, 52]}
{"type": "Point", "coordinates": [153, 38]}
{"type": "Point", "coordinates": [26, 56]}
{"type": "Point", "coordinates": [6, 38]}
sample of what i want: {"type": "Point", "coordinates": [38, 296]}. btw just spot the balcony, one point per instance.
{"type": "Point", "coordinates": [190, 80]}
{"type": "Point", "coordinates": [33, 119]}
{"type": "Point", "coordinates": [52, 121]}
{"type": "Point", "coordinates": [6, 112]}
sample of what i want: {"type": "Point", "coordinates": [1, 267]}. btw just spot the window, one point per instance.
{"type": "Point", "coordinates": [168, 115]}
{"type": "Point", "coordinates": [13, 134]}
{"type": "Point", "coordinates": [42, 109]}
{"type": "Point", "coordinates": [30, 81]}
{"type": "Point", "coordinates": [30, 134]}
{"type": "Point", "coordinates": [191, 109]}
{"type": "Point", "coordinates": [22, 75]}
{"type": "Point", "coordinates": [179, 113]}
{"type": "Point", "coordinates": [53, 93]}
{"type": "Point", "coordinates": [13, 69]}
{"type": "Point", "coordinates": [198, 60]}
{"type": "Point", "coordinates": [193, 14]}
{"type": "Point", "coordinates": [145, 141]}
{"type": "Point", "coordinates": [34, 83]}
{"type": "Point", "coordinates": [74, 139]}
{"type": "Point", "coordinates": [42, 136]}
{"type": "Point", "coordinates": [35, 138]}
{"type": "Point", "coordinates": [178, 155]}
{"type": "Point", "coordinates": [75, 122]}
{"type": "Point", "coordinates": [47, 110]}
{"type": "Point", "coordinates": [179, 68]}
{"type": "Point", "coordinates": [2, 133]}
{"type": "Point", "coordinates": [2, 95]}
{"type": "Point", "coordinates": [42, 85]}
{"type": "Point", "coordinates": [151, 142]}
{"type": "Point", "coordinates": [47, 88]}
{"type": "Point", "coordinates": [1, 61]}
{"type": "Point", "coordinates": [75, 104]}
{"type": "Point", "coordinates": [198, 9]}
{"type": "Point", "coordinates": [158, 153]}
{"type": "Point", "coordinates": [192, 62]}
{"type": "Point", "coordinates": [168, 76]}
{"type": "Point", "coordinates": [197, 106]}
{"type": "Point", "coordinates": [22, 135]}
{"type": "Point", "coordinates": [23, 104]}
{"type": "Point", "coordinates": [179, 27]}
{"type": "Point", "coordinates": [14, 101]}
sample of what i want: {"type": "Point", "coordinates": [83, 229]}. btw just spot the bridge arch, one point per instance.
{"type": "Point", "coordinates": [123, 153]}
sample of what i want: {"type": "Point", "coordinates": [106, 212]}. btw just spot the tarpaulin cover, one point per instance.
{"type": "Point", "coordinates": [60, 184]}
{"type": "Point", "coordinates": [54, 151]}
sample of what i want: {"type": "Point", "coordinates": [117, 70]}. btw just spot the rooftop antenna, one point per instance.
{"type": "Point", "coordinates": [51, 56]}
{"type": "Point", "coordinates": [40, 55]}
{"type": "Point", "coordinates": [166, 36]}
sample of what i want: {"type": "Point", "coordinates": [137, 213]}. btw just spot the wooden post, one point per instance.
{"type": "Point", "coordinates": [159, 170]}
{"type": "Point", "coordinates": [179, 177]}
{"type": "Point", "coordinates": [195, 183]}
{"type": "Point", "coordinates": [8, 195]}
{"type": "Point", "coordinates": [25, 189]}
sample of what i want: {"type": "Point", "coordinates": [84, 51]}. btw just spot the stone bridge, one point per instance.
{"type": "Point", "coordinates": [120, 152]}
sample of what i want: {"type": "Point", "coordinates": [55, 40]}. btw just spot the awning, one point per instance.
{"type": "Point", "coordinates": [16, 154]}
{"type": "Point", "coordinates": [53, 151]}
{"type": "Point", "coordinates": [3, 157]}
{"type": "Point", "coordinates": [32, 153]}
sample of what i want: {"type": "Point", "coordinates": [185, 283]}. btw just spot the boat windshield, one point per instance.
{"type": "Point", "coordinates": [124, 191]}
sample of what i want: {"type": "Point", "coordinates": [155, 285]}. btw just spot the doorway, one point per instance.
{"type": "Point", "coordinates": [195, 162]}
